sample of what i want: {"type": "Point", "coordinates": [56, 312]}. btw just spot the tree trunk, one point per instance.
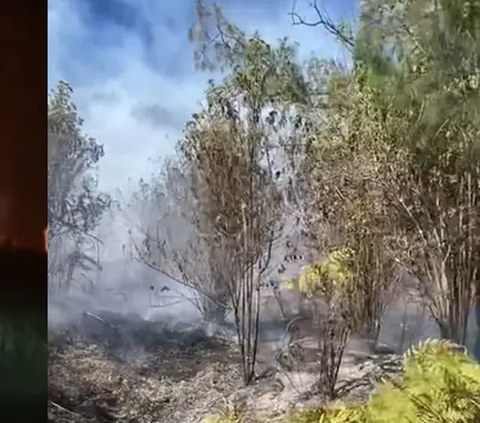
{"type": "Point", "coordinates": [444, 330]}
{"type": "Point", "coordinates": [476, 348]}
{"type": "Point", "coordinates": [451, 332]}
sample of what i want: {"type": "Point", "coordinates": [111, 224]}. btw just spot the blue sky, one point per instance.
{"type": "Point", "coordinates": [131, 67]}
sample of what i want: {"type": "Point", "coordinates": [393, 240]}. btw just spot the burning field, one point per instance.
{"type": "Point", "coordinates": [109, 367]}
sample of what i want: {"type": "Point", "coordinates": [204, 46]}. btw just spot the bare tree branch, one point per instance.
{"type": "Point", "coordinates": [322, 20]}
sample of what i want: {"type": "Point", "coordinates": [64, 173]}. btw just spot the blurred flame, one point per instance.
{"type": "Point", "coordinates": [23, 155]}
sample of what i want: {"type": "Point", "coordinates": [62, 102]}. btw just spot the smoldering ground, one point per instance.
{"type": "Point", "coordinates": [133, 348]}
{"type": "Point", "coordinates": [118, 349]}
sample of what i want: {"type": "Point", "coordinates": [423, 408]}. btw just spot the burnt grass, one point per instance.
{"type": "Point", "coordinates": [98, 366]}
{"type": "Point", "coordinates": [110, 367]}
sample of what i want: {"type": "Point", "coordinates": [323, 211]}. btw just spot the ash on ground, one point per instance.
{"type": "Point", "coordinates": [110, 367]}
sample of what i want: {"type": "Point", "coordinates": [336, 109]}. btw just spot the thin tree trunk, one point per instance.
{"type": "Point", "coordinates": [476, 348]}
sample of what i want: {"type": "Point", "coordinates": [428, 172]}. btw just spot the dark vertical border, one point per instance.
{"type": "Point", "coordinates": [23, 211]}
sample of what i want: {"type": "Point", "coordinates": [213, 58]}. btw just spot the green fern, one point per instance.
{"type": "Point", "coordinates": [335, 415]}
{"type": "Point", "coordinates": [229, 414]}
{"type": "Point", "coordinates": [440, 384]}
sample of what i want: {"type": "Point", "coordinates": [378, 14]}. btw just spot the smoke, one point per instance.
{"type": "Point", "coordinates": [122, 286]}
{"type": "Point", "coordinates": [127, 290]}
{"type": "Point", "coordinates": [405, 324]}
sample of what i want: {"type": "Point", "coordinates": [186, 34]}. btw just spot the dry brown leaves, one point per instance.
{"type": "Point", "coordinates": [88, 385]}
{"type": "Point", "coordinates": [184, 380]}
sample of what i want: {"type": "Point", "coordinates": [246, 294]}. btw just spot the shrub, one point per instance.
{"type": "Point", "coordinates": [440, 384]}
{"type": "Point", "coordinates": [337, 415]}
{"type": "Point", "coordinates": [229, 414]}
{"type": "Point", "coordinates": [328, 282]}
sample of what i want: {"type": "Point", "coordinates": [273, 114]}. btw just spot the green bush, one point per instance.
{"type": "Point", "coordinates": [338, 415]}
{"type": "Point", "coordinates": [440, 384]}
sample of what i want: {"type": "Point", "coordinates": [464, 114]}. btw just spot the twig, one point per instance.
{"type": "Point", "coordinates": [350, 385]}
{"type": "Point", "coordinates": [64, 409]}
{"type": "Point", "coordinates": [94, 316]}
{"type": "Point", "coordinates": [164, 305]}
{"type": "Point", "coordinates": [322, 20]}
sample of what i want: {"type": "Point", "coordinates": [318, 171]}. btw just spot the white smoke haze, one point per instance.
{"type": "Point", "coordinates": [128, 326]}
{"type": "Point", "coordinates": [124, 286]}
{"type": "Point", "coordinates": [127, 287]}
{"type": "Point", "coordinates": [128, 320]}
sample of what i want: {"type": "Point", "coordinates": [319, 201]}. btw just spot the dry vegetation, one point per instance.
{"type": "Point", "coordinates": [375, 168]}
{"type": "Point", "coordinates": [116, 368]}
{"type": "Point", "coordinates": [147, 374]}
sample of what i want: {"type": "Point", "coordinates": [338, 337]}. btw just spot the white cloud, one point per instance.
{"type": "Point", "coordinates": [116, 73]}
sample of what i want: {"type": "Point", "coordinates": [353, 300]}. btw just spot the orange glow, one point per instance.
{"type": "Point", "coordinates": [23, 147]}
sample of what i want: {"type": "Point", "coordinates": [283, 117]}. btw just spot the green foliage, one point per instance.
{"type": "Point", "coordinates": [329, 281]}
{"type": "Point", "coordinates": [332, 272]}
{"type": "Point", "coordinates": [332, 415]}
{"type": "Point", "coordinates": [439, 384]}
{"type": "Point", "coordinates": [229, 414]}
{"type": "Point", "coordinates": [75, 205]}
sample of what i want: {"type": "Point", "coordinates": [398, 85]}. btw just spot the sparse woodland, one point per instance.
{"type": "Point", "coordinates": [377, 163]}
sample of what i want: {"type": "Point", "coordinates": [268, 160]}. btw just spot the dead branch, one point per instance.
{"type": "Point", "coordinates": [322, 20]}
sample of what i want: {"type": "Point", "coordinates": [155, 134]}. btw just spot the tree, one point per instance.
{"type": "Point", "coordinates": [75, 206]}
{"type": "Point", "coordinates": [336, 191]}
{"type": "Point", "coordinates": [238, 214]}
{"type": "Point", "coordinates": [231, 146]}
{"type": "Point", "coordinates": [435, 184]}
{"type": "Point", "coordinates": [416, 107]}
